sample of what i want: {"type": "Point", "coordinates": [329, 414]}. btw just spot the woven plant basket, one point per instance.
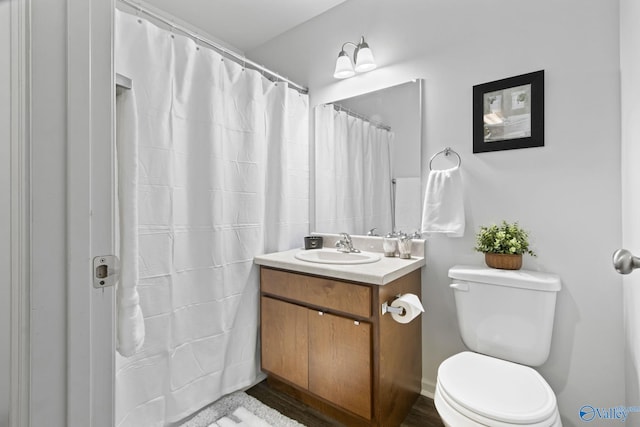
{"type": "Point", "coordinates": [503, 261]}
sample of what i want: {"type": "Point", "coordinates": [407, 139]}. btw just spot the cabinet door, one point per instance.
{"type": "Point", "coordinates": [340, 361]}
{"type": "Point", "coordinates": [285, 344]}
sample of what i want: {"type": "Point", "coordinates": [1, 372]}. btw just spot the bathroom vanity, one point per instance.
{"type": "Point", "coordinates": [326, 341]}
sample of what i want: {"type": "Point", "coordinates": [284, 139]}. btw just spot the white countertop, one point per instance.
{"type": "Point", "coordinates": [380, 272]}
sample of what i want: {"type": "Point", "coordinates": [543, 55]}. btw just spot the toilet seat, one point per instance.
{"type": "Point", "coordinates": [494, 392]}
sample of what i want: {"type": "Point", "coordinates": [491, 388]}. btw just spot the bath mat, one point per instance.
{"type": "Point", "coordinates": [242, 410]}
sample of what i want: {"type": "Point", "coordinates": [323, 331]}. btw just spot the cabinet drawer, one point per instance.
{"type": "Point", "coordinates": [331, 294]}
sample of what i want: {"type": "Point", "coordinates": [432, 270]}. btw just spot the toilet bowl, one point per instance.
{"type": "Point", "coordinates": [478, 390]}
{"type": "Point", "coordinates": [506, 320]}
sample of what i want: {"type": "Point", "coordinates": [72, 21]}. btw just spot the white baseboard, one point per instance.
{"type": "Point", "coordinates": [428, 388]}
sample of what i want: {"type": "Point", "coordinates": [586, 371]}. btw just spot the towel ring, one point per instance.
{"type": "Point", "coordinates": [446, 152]}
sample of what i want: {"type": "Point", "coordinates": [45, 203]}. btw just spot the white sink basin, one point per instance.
{"type": "Point", "coordinates": [332, 256]}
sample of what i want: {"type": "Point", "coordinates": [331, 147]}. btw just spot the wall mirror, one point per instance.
{"type": "Point", "coordinates": [368, 162]}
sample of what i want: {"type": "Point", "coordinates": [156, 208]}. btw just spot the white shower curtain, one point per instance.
{"type": "Point", "coordinates": [223, 176]}
{"type": "Point", "coordinates": [353, 173]}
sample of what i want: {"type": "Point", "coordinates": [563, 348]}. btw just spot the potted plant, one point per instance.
{"type": "Point", "coordinates": [503, 245]}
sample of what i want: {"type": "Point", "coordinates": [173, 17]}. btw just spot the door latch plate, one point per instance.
{"type": "Point", "coordinates": [106, 271]}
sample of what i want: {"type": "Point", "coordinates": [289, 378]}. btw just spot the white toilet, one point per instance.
{"type": "Point", "coordinates": [506, 319]}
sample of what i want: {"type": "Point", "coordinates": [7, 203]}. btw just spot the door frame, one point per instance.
{"type": "Point", "coordinates": [90, 211]}
{"type": "Point", "coordinates": [19, 214]}
{"type": "Point", "coordinates": [630, 177]}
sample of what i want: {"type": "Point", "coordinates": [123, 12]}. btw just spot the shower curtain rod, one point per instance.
{"type": "Point", "coordinates": [339, 107]}
{"type": "Point", "coordinates": [240, 59]}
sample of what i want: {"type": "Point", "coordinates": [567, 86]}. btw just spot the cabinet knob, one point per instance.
{"type": "Point", "coordinates": [320, 313]}
{"type": "Point", "coordinates": [355, 322]}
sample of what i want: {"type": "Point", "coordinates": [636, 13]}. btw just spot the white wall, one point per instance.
{"type": "Point", "coordinates": [5, 206]}
{"type": "Point", "coordinates": [630, 90]}
{"type": "Point", "coordinates": [567, 194]}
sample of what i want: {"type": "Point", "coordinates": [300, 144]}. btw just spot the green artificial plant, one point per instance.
{"type": "Point", "coordinates": [503, 239]}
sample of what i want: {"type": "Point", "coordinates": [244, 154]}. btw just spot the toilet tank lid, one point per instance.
{"type": "Point", "coordinates": [527, 279]}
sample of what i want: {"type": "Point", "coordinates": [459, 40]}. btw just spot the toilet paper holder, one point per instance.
{"type": "Point", "coordinates": [386, 308]}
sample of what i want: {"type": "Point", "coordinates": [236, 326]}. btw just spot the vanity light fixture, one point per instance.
{"type": "Point", "coordinates": [362, 56]}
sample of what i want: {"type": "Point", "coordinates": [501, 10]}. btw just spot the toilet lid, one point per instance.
{"type": "Point", "coordinates": [496, 389]}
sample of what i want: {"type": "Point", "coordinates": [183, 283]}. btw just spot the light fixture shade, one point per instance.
{"type": "Point", "coordinates": [344, 68]}
{"type": "Point", "coordinates": [364, 59]}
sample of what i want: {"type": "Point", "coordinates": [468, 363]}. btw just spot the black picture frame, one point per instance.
{"type": "Point", "coordinates": [509, 113]}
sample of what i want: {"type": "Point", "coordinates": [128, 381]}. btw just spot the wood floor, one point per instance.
{"type": "Point", "coordinates": [423, 413]}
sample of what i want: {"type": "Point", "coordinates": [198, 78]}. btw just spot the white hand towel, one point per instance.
{"type": "Point", "coordinates": [443, 211]}
{"type": "Point", "coordinates": [408, 207]}
{"type": "Point", "coordinates": [130, 322]}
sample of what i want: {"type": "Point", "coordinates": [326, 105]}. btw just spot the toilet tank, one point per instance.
{"type": "Point", "coordinates": [506, 314]}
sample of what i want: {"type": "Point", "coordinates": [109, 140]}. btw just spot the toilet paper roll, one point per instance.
{"type": "Point", "coordinates": [412, 308]}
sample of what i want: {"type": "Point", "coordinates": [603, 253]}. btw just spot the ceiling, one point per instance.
{"type": "Point", "coordinates": [244, 24]}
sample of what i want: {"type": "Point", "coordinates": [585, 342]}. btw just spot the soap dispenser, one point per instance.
{"type": "Point", "coordinates": [390, 244]}
{"type": "Point", "coordinates": [404, 246]}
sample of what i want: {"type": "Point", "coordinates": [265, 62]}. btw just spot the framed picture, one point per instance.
{"type": "Point", "coordinates": [509, 113]}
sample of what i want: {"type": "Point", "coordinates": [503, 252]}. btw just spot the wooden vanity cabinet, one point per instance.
{"type": "Point", "coordinates": [325, 342]}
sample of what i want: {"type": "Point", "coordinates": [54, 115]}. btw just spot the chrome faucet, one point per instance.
{"type": "Point", "coordinates": [345, 244]}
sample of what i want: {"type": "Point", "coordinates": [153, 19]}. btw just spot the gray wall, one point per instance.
{"type": "Point", "coordinates": [566, 193]}
{"type": "Point", "coordinates": [5, 206]}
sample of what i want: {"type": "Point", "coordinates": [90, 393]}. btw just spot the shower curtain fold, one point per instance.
{"type": "Point", "coordinates": [130, 329]}
{"type": "Point", "coordinates": [223, 161]}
